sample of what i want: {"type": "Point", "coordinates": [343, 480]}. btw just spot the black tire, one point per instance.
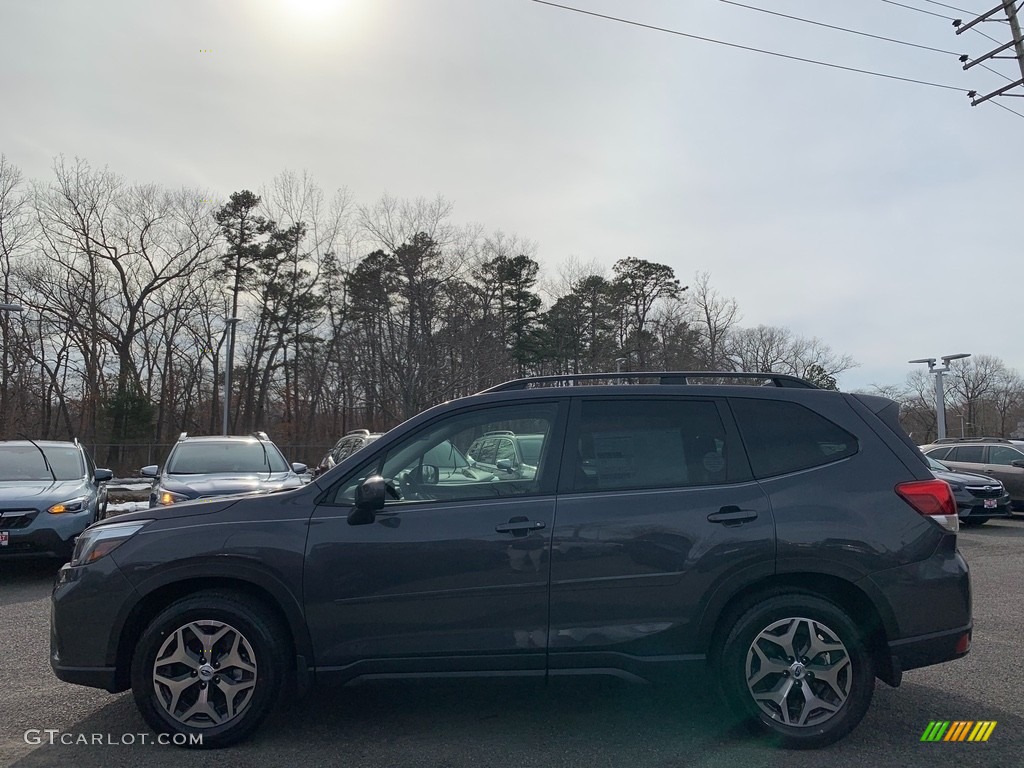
{"type": "Point", "coordinates": [798, 614]}
{"type": "Point", "coordinates": [255, 691]}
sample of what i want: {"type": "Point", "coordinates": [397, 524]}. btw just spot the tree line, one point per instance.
{"type": "Point", "coordinates": [984, 398]}
{"type": "Point", "coordinates": [348, 315]}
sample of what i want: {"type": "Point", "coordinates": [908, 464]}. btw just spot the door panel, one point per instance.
{"type": "Point", "coordinates": [430, 580]}
{"type": "Point", "coordinates": [630, 570]}
{"type": "Point", "coordinates": [455, 565]}
{"type": "Point", "coordinates": [656, 507]}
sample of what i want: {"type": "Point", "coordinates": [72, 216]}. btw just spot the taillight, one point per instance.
{"type": "Point", "coordinates": [933, 499]}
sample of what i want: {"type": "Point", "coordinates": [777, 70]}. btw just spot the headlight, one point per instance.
{"type": "Point", "coordinates": [96, 542]}
{"type": "Point", "coordinates": [956, 487]}
{"type": "Point", "coordinates": [165, 498]}
{"type": "Point", "coordinates": [71, 505]}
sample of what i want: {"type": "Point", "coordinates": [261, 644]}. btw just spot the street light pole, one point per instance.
{"type": "Point", "coordinates": [11, 308]}
{"type": "Point", "coordinates": [231, 323]}
{"type": "Point", "coordinates": [940, 395]}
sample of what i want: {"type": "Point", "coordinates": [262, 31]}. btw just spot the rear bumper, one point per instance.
{"type": "Point", "coordinates": [936, 648]}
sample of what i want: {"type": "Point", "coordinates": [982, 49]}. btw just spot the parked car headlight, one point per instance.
{"type": "Point", "coordinates": [166, 498]}
{"type": "Point", "coordinates": [956, 487]}
{"type": "Point", "coordinates": [101, 540]}
{"type": "Point", "coordinates": [71, 505]}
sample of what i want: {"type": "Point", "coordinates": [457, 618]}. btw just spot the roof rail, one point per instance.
{"type": "Point", "coordinates": [944, 440]}
{"type": "Point", "coordinates": [183, 435]}
{"type": "Point", "coordinates": [499, 432]}
{"type": "Point", "coordinates": [663, 377]}
{"type": "Point", "coordinates": [260, 435]}
{"type": "Point", "coordinates": [357, 432]}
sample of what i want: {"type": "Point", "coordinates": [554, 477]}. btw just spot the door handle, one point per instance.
{"type": "Point", "coordinates": [732, 515]}
{"type": "Point", "coordinates": [519, 526]}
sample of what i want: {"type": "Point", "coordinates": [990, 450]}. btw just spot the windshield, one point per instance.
{"type": "Point", "coordinates": [24, 462]}
{"type": "Point", "coordinates": [933, 464]}
{"type": "Point", "coordinates": [225, 456]}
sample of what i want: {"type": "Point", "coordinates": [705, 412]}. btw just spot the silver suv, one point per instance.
{"type": "Point", "coordinates": [507, 454]}
{"type": "Point", "coordinates": [994, 456]}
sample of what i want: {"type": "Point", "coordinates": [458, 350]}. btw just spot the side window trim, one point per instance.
{"type": "Point", "coordinates": [550, 457]}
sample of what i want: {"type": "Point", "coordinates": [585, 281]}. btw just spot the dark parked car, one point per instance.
{"type": "Point", "coordinates": [978, 498]}
{"type": "Point", "coordinates": [998, 457]}
{"type": "Point", "coordinates": [203, 467]}
{"type": "Point", "coordinates": [790, 539]}
{"type": "Point", "coordinates": [49, 492]}
{"type": "Point", "coordinates": [345, 447]}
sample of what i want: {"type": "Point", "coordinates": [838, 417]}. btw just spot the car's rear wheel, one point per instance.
{"type": "Point", "coordinates": [796, 669]}
{"type": "Point", "coordinates": [208, 669]}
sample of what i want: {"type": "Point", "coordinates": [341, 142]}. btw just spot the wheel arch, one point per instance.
{"type": "Point", "coordinates": [862, 609]}
{"type": "Point", "coordinates": [274, 597]}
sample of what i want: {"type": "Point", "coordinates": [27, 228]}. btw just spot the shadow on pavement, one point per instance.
{"type": "Point", "coordinates": [586, 722]}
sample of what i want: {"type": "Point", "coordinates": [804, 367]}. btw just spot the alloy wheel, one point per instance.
{"type": "Point", "coordinates": [204, 674]}
{"type": "Point", "coordinates": [799, 672]}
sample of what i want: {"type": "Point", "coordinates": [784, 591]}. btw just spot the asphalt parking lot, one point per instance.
{"type": "Point", "coordinates": [588, 723]}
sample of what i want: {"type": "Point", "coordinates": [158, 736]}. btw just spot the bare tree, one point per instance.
{"type": "Point", "coordinates": [715, 318]}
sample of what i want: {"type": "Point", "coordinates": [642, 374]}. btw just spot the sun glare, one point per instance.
{"type": "Point", "coordinates": [314, 10]}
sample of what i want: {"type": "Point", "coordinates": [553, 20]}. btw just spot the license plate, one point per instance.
{"type": "Point", "coordinates": [990, 503]}
{"type": "Point", "coordinates": [4, 536]}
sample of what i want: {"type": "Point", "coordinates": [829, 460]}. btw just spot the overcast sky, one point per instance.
{"type": "Point", "coordinates": [881, 216]}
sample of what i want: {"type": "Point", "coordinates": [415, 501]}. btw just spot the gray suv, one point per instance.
{"type": "Point", "coordinates": [204, 467]}
{"type": "Point", "coordinates": [50, 491]}
{"type": "Point", "coordinates": [789, 539]}
{"type": "Point", "coordinates": [997, 457]}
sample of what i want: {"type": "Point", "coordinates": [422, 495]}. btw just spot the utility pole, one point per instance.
{"type": "Point", "coordinates": [940, 394]}
{"type": "Point", "coordinates": [1010, 9]}
{"type": "Point", "coordinates": [232, 322]}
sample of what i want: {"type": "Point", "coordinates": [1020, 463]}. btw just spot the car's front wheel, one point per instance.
{"type": "Point", "coordinates": [208, 669]}
{"type": "Point", "coordinates": [795, 667]}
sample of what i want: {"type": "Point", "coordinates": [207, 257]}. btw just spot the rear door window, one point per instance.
{"type": "Point", "coordinates": [648, 444]}
{"type": "Point", "coordinates": [782, 437]}
{"type": "Point", "coordinates": [1001, 454]}
{"type": "Point", "coordinates": [968, 454]}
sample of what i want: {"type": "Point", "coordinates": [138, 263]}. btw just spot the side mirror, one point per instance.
{"type": "Point", "coordinates": [369, 500]}
{"type": "Point", "coordinates": [102, 475]}
{"type": "Point", "coordinates": [1017, 463]}
{"type": "Point", "coordinates": [151, 471]}
{"type": "Point", "coordinates": [505, 465]}
{"type": "Point", "coordinates": [299, 469]}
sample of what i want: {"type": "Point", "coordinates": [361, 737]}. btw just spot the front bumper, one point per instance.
{"type": "Point", "coordinates": [46, 535]}
{"type": "Point", "coordinates": [88, 608]}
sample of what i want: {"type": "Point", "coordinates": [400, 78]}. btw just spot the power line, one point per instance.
{"type": "Point", "coordinates": [1018, 114]}
{"type": "Point", "coordinates": [951, 7]}
{"type": "Point", "coordinates": [996, 72]}
{"type": "Point", "coordinates": [919, 10]}
{"type": "Point", "coordinates": [841, 29]}
{"type": "Point", "coordinates": [750, 48]}
{"type": "Point", "coordinates": [939, 15]}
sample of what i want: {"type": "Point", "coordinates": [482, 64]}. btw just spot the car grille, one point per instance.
{"type": "Point", "coordinates": [11, 519]}
{"type": "Point", "coordinates": [986, 491]}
